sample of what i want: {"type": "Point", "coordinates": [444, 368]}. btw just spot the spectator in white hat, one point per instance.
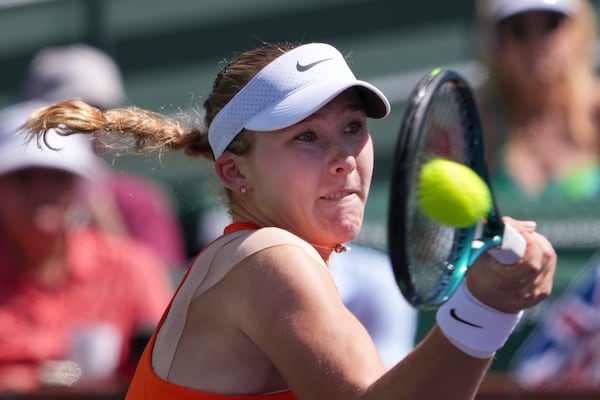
{"type": "Point", "coordinates": [71, 297]}
{"type": "Point", "coordinates": [126, 202]}
{"type": "Point", "coordinates": [541, 100]}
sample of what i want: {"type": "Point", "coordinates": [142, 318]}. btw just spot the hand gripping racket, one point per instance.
{"type": "Point", "coordinates": [430, 259]}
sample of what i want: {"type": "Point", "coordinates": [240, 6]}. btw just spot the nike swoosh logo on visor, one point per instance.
{"type": "Point", "coordinates": [306, 67]}
{"type": "Point", "coordinates": [459, 319]}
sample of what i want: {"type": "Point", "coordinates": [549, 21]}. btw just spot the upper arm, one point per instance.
{"type": "Point", "coordinates": [291, 309]}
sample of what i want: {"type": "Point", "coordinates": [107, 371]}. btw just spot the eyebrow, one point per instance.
{"type": "Point", "coordinates": [348, 108]}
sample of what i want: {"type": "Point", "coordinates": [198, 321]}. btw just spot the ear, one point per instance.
{"type": "Point", "coordinates": [229, 169]}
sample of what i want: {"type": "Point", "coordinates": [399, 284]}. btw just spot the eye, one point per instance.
{"type": "Point", "coordinates": [516, 27]}
{"type": "Point", "coordinates": [308, 136]}
{"type": "Point", "coordinates": [354, 127]}
{"type": "Point", "coordinates": [553, 21]}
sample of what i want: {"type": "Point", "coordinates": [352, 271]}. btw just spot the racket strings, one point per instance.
{"type": "Point", "coordinates": [436, 256]}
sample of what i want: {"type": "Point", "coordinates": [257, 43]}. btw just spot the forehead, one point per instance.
{"type": "Point", "coordinates": [347, 101]}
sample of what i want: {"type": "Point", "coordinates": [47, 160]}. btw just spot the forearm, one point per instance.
{"type": "Point", "coordinates": [436, 369]}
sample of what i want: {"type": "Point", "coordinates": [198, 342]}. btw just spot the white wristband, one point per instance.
{"type": "Point", "coordinates": [473, 327]}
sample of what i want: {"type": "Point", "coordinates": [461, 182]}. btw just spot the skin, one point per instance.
{"type": "Point", "coordinates": [276, 321]}
{"type": "Point", "coordinates": [33, 209]}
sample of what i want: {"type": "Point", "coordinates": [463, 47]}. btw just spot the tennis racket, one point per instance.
{"type": "Point", "coordinates": [430, 259]}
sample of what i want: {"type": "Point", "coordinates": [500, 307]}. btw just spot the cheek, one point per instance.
{"type": "Point", "coordinates": [365, 161]}
{"type": "Point", "coordinates": [508, 57]}
{"type": "Point", "coordinates": [572, 49]}
{"type": "Point", "coordinates": [289, 174]}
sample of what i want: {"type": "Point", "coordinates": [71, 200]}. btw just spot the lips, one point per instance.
{"type": "Point", "coordinates": [339, 195]}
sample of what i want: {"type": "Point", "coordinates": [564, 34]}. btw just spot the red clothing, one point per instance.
{"type": "Point", "coordinates": [112, 279]}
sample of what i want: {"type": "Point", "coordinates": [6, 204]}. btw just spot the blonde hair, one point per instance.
{"type": "Point", "coordinates": [148, 131]}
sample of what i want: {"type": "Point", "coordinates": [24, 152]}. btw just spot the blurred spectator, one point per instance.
{"type": "Point", "coordinates": [540, 108]}
{"type": "Point", "coordinates": [72, 298]}
{"type": "Point", "coordinates": [541, 103]}
{"type": "Point", "coordinates": [137, 206]}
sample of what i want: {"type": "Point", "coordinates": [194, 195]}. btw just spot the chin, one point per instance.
{"type": "Point", "coordinates": [336, 229]}
{"type": "Point", "coordinates": [346, 233]}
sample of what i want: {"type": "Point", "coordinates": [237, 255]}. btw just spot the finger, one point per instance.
{"type": "Point", "coordinates": [520, 225]}
{"type": "Point", "coordinates": [541, 265]}
{"type": "Point", "coordinates": [540, 286]}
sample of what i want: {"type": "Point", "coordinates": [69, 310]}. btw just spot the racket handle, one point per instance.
{"type": "Point", "coordinates": [512, 248]}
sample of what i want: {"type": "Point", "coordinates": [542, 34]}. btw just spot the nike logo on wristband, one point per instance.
{"type": "Point", "coordinates": [306, 67]}
{"type": "Point", "coordinates": [459, 319]}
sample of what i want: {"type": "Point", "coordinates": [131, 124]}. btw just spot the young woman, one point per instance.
{"type": "Point", "coordinates": [258, 314]}
{"type": "Point", "coordinates": [540, 103]}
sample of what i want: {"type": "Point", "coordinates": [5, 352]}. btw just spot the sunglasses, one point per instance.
{"type": "Point", "coordinates": [523, 27]}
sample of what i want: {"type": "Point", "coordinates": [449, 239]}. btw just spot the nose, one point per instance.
{"type": "Point", "coordinates": [343, 160]}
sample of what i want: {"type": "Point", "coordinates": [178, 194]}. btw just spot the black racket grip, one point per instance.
{"type": "Point", "coordinates": [512, 248]}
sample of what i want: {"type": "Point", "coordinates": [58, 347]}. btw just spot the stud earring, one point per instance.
{"type": "Point", "coordinates": [243, 190]}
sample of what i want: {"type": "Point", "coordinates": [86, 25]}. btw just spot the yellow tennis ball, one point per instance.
{"type": "Point", "coordinates": [452, 194]}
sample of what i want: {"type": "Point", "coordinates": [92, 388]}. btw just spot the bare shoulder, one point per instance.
{"type": "Point", "coordinates": [294, 314]}
{"type": "Point", "coordinates": [280, 308]}
{"type": "Point", "coordinates": [284, 265]}
{"type": "Point", "coordinates": [276, 285]}
{"type": "Point", "coordinates": [250, 307]}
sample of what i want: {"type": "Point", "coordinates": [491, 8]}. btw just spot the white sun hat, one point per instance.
{"type": "Point", "coordinates": [73, 154]}
{"type": "Point", "coordinates": [500, 9]}
{"type": "Point", "coordinates": [291, 88]}
{"type": "Point", "coordinates": [75, 71]}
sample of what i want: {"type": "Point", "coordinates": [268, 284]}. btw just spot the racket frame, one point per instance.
{"type": "Point", "coordinates": [474, 240]}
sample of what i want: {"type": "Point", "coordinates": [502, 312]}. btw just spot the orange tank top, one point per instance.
{"type": "Point", "coordinates": [147, 385]}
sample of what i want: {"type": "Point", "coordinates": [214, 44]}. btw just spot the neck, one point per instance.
{"type": "Point", "coordinates": [338, 248]}
{"type": "Point", "coordinates": [324, 251]}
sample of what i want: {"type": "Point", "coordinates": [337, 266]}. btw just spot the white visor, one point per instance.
{"type": "Point", "coordinates": [291, 88]}
{"type": "Point", "coordinates": [500, 9]}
